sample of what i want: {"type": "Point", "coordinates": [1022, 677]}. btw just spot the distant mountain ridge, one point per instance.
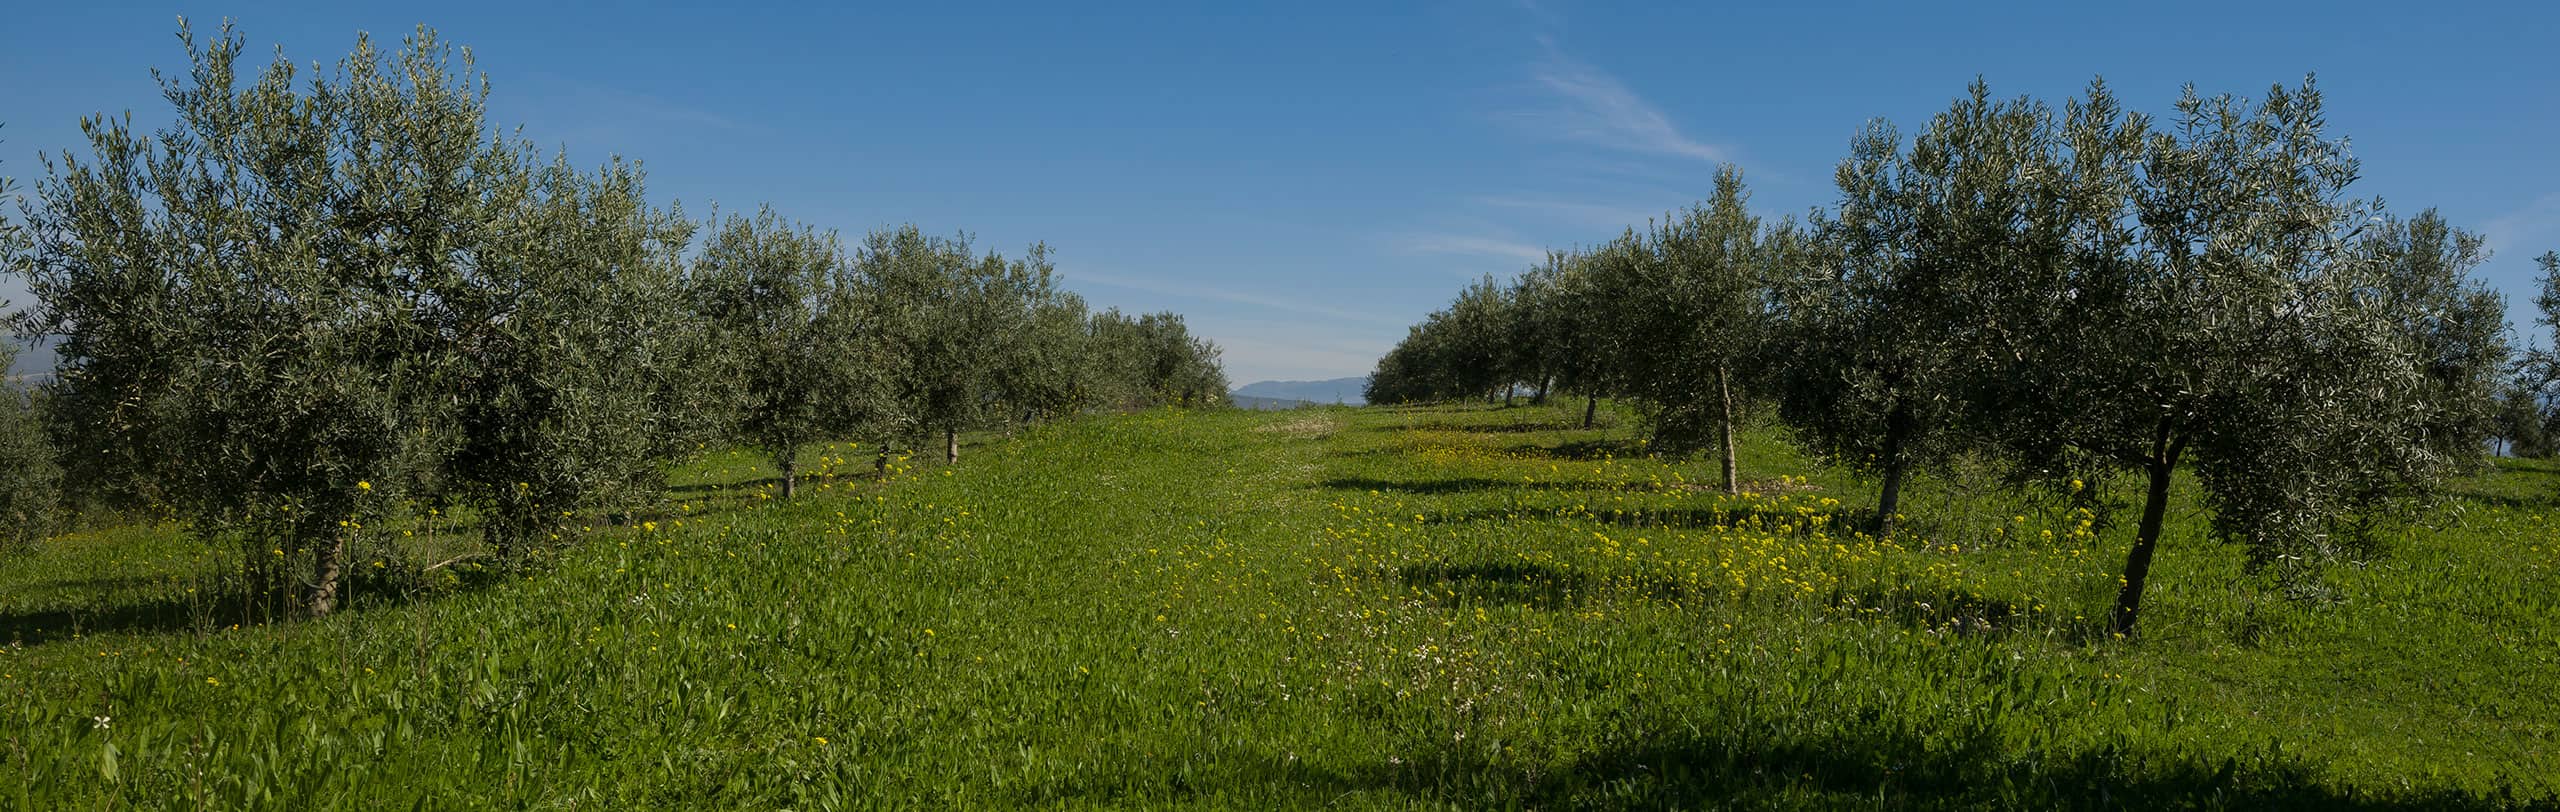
{"type": "Point", "coordinates": [1265, 404]}
{"type": "Point", "coordinates": [1346, 391]}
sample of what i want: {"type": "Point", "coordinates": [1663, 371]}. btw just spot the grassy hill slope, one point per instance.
{"type": "Point", "coordinates": [1465, 607]}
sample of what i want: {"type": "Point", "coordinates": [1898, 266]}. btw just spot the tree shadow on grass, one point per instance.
{"type": "Point", "coordinates": [1579, 450]}
{"type": "Point", "coordinates": [1466, 585]}
{"type": "Point", "coordinates": [148, 615]}
{"type": "Point", "coordinates": [1687, 764]}
{"type": "Point", "coordinates": [1447, 485]}
{"type": "Point", "coordinates": [706, 501]}
{"type": "Point", "coordinates": [1406, 408]}
{"type": "Point", "coordinates": [1523, 427]}
{"type": "Point", "coordinates": [749, 486]}
{"type": "Point", "coordinates": [211, 602]}
{"type": "Point", "coordinates": [1940, 770]}
{"type": "Point", "coordinates": [1450, 485]}
{"type": "Point", "coordinates": [2510, 502]}
{"type": "Point", "coordinates": [1507, 583]}
{"type": "Point", "coordinates": [1939, 609]}
{"type": "Point", "coordinates": [1753, 517]}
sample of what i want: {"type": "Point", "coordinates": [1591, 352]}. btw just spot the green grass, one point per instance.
{"type": "Point", "coordinates": [1453, 607]}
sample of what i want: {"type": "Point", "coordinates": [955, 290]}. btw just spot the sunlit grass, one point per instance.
{"type": "Point", "coordinates": [1464, 607]}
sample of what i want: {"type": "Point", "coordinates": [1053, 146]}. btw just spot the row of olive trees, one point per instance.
{"type": "Point", "coordinates": [30, 479]}
{"type": "Point", "coordinates": [2528, 416]}
{"type": "Point", "coordinates": [914, 336]}
{"type": "Point", "coordinates": [1673, 316]}
{"type": "Point", "coordinates": [2074, 294]}
{"type": "Point", "coordinates": [311, 304]}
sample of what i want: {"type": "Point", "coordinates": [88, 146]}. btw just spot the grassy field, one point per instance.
{"type": "Point", "coordinates": [1453, 607]}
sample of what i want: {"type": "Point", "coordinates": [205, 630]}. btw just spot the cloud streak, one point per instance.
{"type": "Point", "coordinates": [2517, 230]}
{"type": "Point", "coordinates": [1577, 213]}
{"type": "Point", "coordinates": [1226, 295]}
{"type": "Point", "coordinates": [1463, 245]}
{"type": "Point", "coordinates": [1593, 107]}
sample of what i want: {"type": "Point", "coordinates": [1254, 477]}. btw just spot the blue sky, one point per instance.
{"type": "Point", "coordinates": [1303, 180]}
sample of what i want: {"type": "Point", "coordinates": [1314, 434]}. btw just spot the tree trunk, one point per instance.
{"type": "Point", "coordinates": [2155, 508]}
{"type": "Point", "coordinates": [1510, 391]}
{"type": "Point", "coordinates": [1724, 390]}
{"type": "Point", "coordinates": [951, 444]}
{"type": "Point", "coordinates": [1540, 399]}
{"type": "Point", "coordinates": [790, 466]}
{"type": "Point", "coordinates": [1897, 433]}
{"type": "Point", "coordinates": [1590, 408]}
{"type": "Point", "coordinates": [1889, 502]}
{"type": "Point", "coordinates": [328, 567]}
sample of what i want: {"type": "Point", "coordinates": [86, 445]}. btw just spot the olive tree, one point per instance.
{"type": "Point", "coordinates": [1183, 369]}
{"type": "Point", "coordinates": [1881, 325]}
{"type": "Point", "coordinates": [306, 299]}
{"type": "Point", "coordinates": [2547, 296]}
{"type": "Point", "coordinates": [953, 324]}
{"type": "Point", "coordinates": [1475, 357]}
{"type": "Point", "coordinates": [2540, 369]}
{"type": "Point", "coordinates": [30, 479]}
{"type": "Point", "coordinates": [1052, 376]}
{"type": "Point", "coordinates": [1693, 321]}
{"type": "Point", "coordinates": [2449, 331]}
{"type": "Point", "coordinates": [1457, 352]}
{"type": "Point", "coordinates": [797, 333]}
{"type": "Point", "coordinates": [1576, 318]}
{"type": "Point", "coordinates": [1154, 359]}
{"type": "Point", "coordinates": [2529, 410]}
{"type": "Point", "coordinates": [1116, 360]}
{"type": "Point", "coordinates": [2221, 303]}
{"type": "Point", "coordinates": [237, 297]}
{"type": "Point", "coordinates": [567, 346]}
{"type": "Point", "coordinates": [1407, 373]}
{"type": "Point", "coordinates": [1530, 347]}
{"type": "Point", "coordinates": [2518, 420]}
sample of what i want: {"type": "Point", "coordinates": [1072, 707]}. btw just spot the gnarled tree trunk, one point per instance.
{"type": "Point", "coordinates": [2162, 467]}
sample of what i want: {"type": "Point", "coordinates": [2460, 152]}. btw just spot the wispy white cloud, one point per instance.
{"type": "Point", "coordinates": [2520, 230]}
{"type": "Point", "coordinates": [1572, 212]}
{"type": "Point", "coordinates": [632, 103]}
{"type": "Point", "coordinates": [1539, 12]}
{"type": "Point", "coordinates": [597, 116]}
{"type": "Point", "coordinates": [1473, 246]}
{"type": "Point", "coordinates": [1228, 295]}
{"type": "Point", "coordinates": [1591, 106]}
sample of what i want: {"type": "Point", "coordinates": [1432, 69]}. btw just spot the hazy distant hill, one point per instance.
{"type": "Point", "coordinates": [1338, 390]}
{"type": "Point", "coordinates": [1266, 404]}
